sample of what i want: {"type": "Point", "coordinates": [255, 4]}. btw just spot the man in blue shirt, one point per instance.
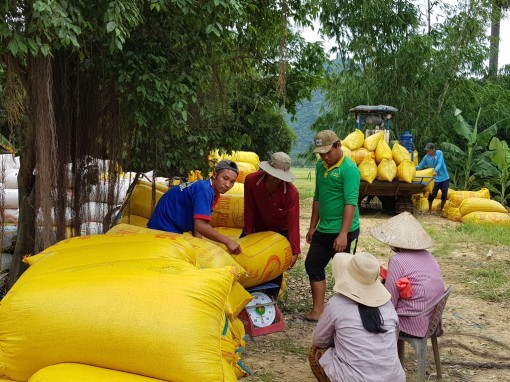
{"type": "Point", "coordinates": [188, 206]}
{"type": "Point", "coordinates": [435, 159]}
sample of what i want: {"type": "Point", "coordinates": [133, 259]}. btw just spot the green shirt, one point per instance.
{"type": "Point", "coordinates": [334, 188]}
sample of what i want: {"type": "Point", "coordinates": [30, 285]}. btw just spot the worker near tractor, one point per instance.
{"type": "Point", "coordinates": [435, 159]}
{"type": "Point", "coordinates": [188, 206]}
{"type": "Point", "coordinates": [334, 224]}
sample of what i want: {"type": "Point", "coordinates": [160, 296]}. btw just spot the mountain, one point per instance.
{"type": "Point", "coordinates": [306, 114]}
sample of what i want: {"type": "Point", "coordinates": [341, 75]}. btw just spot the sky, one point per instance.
{"type": "Point", "coordinates": [504, 43]}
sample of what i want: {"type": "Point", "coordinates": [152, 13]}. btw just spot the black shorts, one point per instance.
{"type": "Point", "coordinates": [321, 251]}
{"type": "Point", "coordinates": [443, 186]}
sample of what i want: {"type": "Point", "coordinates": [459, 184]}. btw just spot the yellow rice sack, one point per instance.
{"type": "Point", "coordinates": [128, 230]}
{"type": "Point", "coordinates": [454, 214]}
{"type": "Point", "coordinates": [481, 217]}
{"type": "Point", "coordinates": [139, 221]}
{"type": "Point", "coordinates": [400, 153]}
{"type": "Point", "coordinates": [245, 169]}
{"type": "Point", "coordinates": [204, 253]}
{"type": "Point", "coordinates": [444, 212]}
{"type": "Point", "coordinates": [283, 286]}
{"type": "Point", "coordinates": [354, 140]}
{"type": "Point", "coordinates": [387, 170]}
{"type": "Point", "coordinates": [370, 143]}
{"type": "Point", "coordinates": [425, 176]}
{"type": "Point", "coordinates": [140, 201]}
{"type": "Point", "coordinates": [360, 154]}
{"type": "Point", "coordinates": [232, 345]}
{"type": "Point", "coordinates": [406, 171]}
{"type": "Point", "coordinates": [458, 196]}
{"type": "Point", "coordinates": [131, 316]}
{"type": "Point", "coordinates": [194, 175]}
{"type": "Point", "coordinates": [382, 151]}
{"type": "Point", "coordinates": [423, 205]}
{"type": "Point", "coordinates": [264, 256]}
{"type": "Point", "coordinates": [368, 169]}
{"type": "Point", "coordinates": [209, 255]}
{"type": "Point", "coordinates": [439, 193]}
{"type": "Point", "coordinates": [229, 212]}
{"type": "Point", "coordinates": [75, 372]}
{"type": "Point", "coordinates": [98, 249]}
{"type": "Point", "coordinates": [480, 204]}
{"type": "Point", "coordinates": [232, 233]}
{"type": "Point", "coordinates": [238, 156]}
{"type": "Point", "coordinates": [238, 189]}
{"type": "Point", "coordinates": [347, 152]}
{"type": "Point", "coordinates": [416, 160]}
{"type": "Point", "coordinates": [237, 301]}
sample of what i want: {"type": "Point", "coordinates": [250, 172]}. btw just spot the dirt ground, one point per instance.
{"type": "Point", "coordinates": [475, 346]}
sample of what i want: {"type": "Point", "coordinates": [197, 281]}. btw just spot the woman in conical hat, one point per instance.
{"type": "Point", "coordinates": [414, 278]}
{"type": "Point", "coordinates": [355, 338]}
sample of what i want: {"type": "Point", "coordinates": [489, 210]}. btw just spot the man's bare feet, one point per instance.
{"type": "Point", "coordinates": [311, 316]}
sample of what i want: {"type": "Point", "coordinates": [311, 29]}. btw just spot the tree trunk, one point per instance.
{"type": "Point", "coordinates": [39, 145]}
{"type": "Point", "coordinates": [494, 40]}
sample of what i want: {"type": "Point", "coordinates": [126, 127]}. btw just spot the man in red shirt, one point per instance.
{"type": "Point", "coordinates": [271, 201]}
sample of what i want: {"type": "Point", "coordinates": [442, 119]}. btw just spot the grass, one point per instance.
{"type": "Point", "coordinates": [262, 377]}
{"type": "Point", "coordinates": [305, 181]}
{"type": "Point", "coordinates": [490, 281]}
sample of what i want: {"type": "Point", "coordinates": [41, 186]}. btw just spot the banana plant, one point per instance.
{"type": "Point", "coordinates": [499, 170]}
{"type": "Point", "coordinates": [468, 161]}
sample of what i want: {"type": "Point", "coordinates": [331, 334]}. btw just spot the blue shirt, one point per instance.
{"type": "Point", "coordinates": [437, 163]}
{"type": "Point", "coordinates": [179, 206]}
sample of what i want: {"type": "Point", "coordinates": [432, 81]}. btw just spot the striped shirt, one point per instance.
{"type": "Point", "coordinates": [424, 274]}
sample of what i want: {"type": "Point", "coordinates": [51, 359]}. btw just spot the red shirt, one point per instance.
{"type": "Point", "coordinates": [277, 212]}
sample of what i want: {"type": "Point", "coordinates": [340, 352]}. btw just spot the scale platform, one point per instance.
{"type": "Point", "coordinates": [262, 315]}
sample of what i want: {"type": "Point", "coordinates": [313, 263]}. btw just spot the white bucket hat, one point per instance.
{"type": "Point", "coordinates": [279, 167]}
{"type": "Point", "coordinates": [357, 277]}
{"type": "Point", "coordinates": [403, 231]}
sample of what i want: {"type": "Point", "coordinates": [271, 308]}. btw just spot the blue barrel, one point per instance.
{"type": "Point", "coordinates": [406, 140]}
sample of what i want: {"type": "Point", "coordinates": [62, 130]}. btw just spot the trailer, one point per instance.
{"type": "Point", "coordinates": [395, 196]}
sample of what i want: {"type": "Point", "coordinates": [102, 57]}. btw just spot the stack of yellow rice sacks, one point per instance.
{"type": "Point", "coordinates": [134, 304]}
{"type": "Point", "coordinates": [475, 207]}
{"type": "Point", "coordinates": [376, 160]}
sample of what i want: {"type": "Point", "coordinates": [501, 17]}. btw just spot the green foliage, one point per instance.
{"type": "Point", "coordinates": [469, 159]}
{"type": "Point", "coordinates": [499, 170]}
{"type": "Point", "coordinates": [269, 133]}
{"type": "Point", "coordinates": [388, 59]}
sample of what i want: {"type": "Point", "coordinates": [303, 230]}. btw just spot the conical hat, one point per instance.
{"type": "Point", "coordinates": [403, 231]}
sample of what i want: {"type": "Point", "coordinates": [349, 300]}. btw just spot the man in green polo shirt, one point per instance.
{"type": "Point", "coordinates": [334, 224]}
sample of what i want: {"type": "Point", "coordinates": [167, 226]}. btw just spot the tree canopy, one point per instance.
{"type": "Point", "coordinates": [146, 84]}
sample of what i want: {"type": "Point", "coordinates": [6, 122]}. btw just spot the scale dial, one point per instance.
{"type": "Point", "coordinates": [261, 316]}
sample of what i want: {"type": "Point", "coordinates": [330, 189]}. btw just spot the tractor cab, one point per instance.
{"type": "Point", "coordinates": [372, 119]}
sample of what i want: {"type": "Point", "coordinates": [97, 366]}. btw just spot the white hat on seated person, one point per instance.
{"type": "Point", "coordinates": [357, 277]}
{"type": "Point", "coordinates": [403, 231]}
{"type": "Point", "coordinates": [279, 167]}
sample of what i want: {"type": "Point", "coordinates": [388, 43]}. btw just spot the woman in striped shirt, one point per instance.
{"type": "Point", "coordinates": [414, 278]}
